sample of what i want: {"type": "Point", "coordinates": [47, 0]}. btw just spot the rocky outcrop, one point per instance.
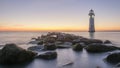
{"type": "Point", "coordinates": [48, 55]}
{"type": "Point", "coordinates": [100, 48]}
{"type": "Point", "coordinates": [107, 42]}
{"type": "Point", "coordinates": [77, 47]}
{"type": "Point", "coordinates": [50, 46]}
{"type": "Point", "coordinates": [113, 58]}
{"type": "Point", "coordinates": [12, 54]}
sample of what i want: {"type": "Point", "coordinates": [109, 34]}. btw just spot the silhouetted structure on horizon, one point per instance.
{"type": "Point", "coordinates": [91, 21]}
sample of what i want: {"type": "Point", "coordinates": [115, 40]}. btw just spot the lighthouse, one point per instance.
{"type": "Point", "coordinates": [91, 21]}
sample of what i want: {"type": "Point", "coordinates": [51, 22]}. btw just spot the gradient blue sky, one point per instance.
{"type": "Point", "coordinates": [70, 15]}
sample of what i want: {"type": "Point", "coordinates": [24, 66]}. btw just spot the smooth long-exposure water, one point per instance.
{"type": "Point", "coordinates": [77, 59]}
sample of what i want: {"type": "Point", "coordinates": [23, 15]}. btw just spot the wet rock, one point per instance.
{"type": "Point", "coordinates": [33, 42]}
{"type": "Point", "coordinates": [68, 43]}
{"type": "Point", "coordinates": [40, 43]}
{"type": "Point", "coordinates": [107, 42]}
{"type": "Point", "coordinates": [113, 58]}
{"type": "Point", "coordinates": [36, 48]}
{"type": "Point", "coordinates": [77, 47]}
{"type": "Point", "coordinates": [48, 55]}
{"type": "Point", "coordinates": [58, 43]}
{"type": "Point", "coordinates": [12, 54]}
{"type": "Point", "coordinates": [49, 39]}
{"type": "Point", "coordinates": [100, 48]}
{"type": "Point", "coordinates": [90, 41]}
{"type": "Point", "coordinates": [75, 41]}
{"type": "Point", "coordinates": [50, 46]}
{"type": "Point", "coordinates": [64, 45]}
{"type": "Point", "coordinates": [117, 65]}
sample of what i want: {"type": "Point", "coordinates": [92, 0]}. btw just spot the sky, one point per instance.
{"type": "Point", "coordinates": [58, 15]}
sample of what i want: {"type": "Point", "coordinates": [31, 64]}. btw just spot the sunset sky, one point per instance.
{"type": "Point", "coordinates": [58, 15]}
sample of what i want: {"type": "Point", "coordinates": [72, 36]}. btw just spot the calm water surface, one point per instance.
{"type": "Point", "coordinates": [79, 59]}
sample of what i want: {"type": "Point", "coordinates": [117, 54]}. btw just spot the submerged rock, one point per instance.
{"type": "Point", "coordinates": [48, 55]}
{"type": "Point", "coordinates": [12, 54]}
{"type": "Point", "coordinates": [100, 48]}
{"type": "Point", "coordinates": [50, 46]}
{"type": "Point", "coordinates": [107, 42]}
{"type": "Point", "coordinates": [77, 47]}
{"type": "Point", "coordinates": [113, 58]}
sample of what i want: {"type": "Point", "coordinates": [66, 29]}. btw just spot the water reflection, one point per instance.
{"type": "Point", "coordinates": [91, 34]}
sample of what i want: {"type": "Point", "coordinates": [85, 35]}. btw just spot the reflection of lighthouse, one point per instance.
{"type": "Point", "coordinates": [91, 21]}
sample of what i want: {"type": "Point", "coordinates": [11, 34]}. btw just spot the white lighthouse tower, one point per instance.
{"type": "Point", "coordinates": [91, 21]}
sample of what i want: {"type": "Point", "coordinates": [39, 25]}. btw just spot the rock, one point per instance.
{"type": "Point", "coordinates": [113, 58]}
{"type": "Point", "coordinates": [77, 47]}
{"type": "Point", "coordinates": [63, 46]}
{"type": "Point", "coordinates": [48, 55]}
{"type": "Point", "coordinates": [12, 54]}
{"type": "Point", "coordinates": [100, 48]}
{"type": "Point", "coordinates": [107, 42]}
{"type": "Point", "coordinates": [117, 65]}
{"type": "Point", "coordinates": [67, 43]}
{"type": "Point", "coordinates": [90, 41]}
{"type": "Point", "coordinates": [33, 42]}
{"type": "Point", "coordinates": [50, 46]}
{"type": "Point", "coordinates": [49, 39]}
{"type": "Point", "coordinates": [40, 43]}
{"type": "Point", "coordinates": [58, 43]}
{"type": "Point", "coordinates": [75, 41]}
{"type": "Point", "coordinates": [36, 48]}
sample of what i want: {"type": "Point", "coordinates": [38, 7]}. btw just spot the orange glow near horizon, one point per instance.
{"type": "Point", "coordinates": [57, 29]}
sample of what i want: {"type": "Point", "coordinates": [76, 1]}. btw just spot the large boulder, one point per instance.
{"type": "Point", "coordinates": [100, 48]}
{"type": "Point", "coordinates": [12, 54]}
{"type": "Point", "coordinates": [48, 55]}
{"type": "Point", "coordinates": [77, 47]}
{"type": "Point", "coordinates": [50, 46]}
{"type": "Point", "coordinates": [113, 58]}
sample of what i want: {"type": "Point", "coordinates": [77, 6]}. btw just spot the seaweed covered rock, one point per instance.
{"type": "Point", "coordinates": [113, 58]}
{"type": "Point", "coordinates": [50, 46]}
{"type": "Point", "coordinates": [77, 47]}
{"type": "Point", "coordinates": [48, 55]}
{"type": "Point", "coordinates": [107, 42]}
{"type": "Point", "coordinates": [100, 48]}
{"type": "Point", "coordinates": [12, 54]}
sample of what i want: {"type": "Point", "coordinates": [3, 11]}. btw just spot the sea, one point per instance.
{"type": "Point", "coordinates": [67, 58]}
